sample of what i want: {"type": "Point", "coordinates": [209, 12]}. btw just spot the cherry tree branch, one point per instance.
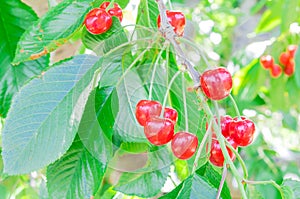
{"type": "Point", "coordinates": [168, 32]}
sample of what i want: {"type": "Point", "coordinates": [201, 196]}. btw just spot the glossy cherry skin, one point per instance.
{"type": "Point", "coordinates": [147, 109]}
{"type": "Point", "coordinates": [171, 114]}
{"type": "Point", "coordinates": [115, 11]}
{"type": "Point", "coordinates": [284, 58]}
{"type": "Point", "coordinates": [184, 145]}
{"type": "Point", "coordinates": [291, 49]}
{"type": "Point", "coordinates": [289, 69]}
{"type": "Point", "coordinates": [176, 19]}
{"type": "Point", "coordinates": [216, 84]}
{"type": "Point", "coordinates": [242, 131]}
{"type": "Point", "coordinates": [216, 155]}
{"type": "Point", "coordinates": [267, 61]}
{"type": "Point", "coordinates": [98, 21]}
{"type": "Point", "coordinates": [159, 131]}
{"type": "Point", "coordinates": [275, 71]}
{"type": "Point", "coordinates": [225, 121]}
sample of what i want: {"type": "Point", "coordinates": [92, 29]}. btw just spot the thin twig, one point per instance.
{"type": "Point", "coordinates": [224, 174]}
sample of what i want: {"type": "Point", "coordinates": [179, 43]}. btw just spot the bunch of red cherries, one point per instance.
{"type": "Point", "coordinates": [286, 59]}
{"type": "Point", "coordinates": [99, 20]}
{"type": "Point", "coordinates": [159, 128]}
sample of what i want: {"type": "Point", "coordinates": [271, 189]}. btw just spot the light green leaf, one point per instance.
{"type": "Point", "coordinates": [102, 43]}
{"type": "Point", "coordinates": [122, 3]}
{"type": "Point", "coordinates": [148, 181]}
{"type": "Point", "coordinates": [291, 189]}
{"type": "Point", "coordinates": [45, 115]}
{"type": "Point", "coordinates": [297, 67]}
{"type": "Point", "coordinates": [15, 17]}
{"type": "Point", "coordinates": [52, 30]}
{"type": "Point", "coordinates": [77, 174]}
{"type": "Point", "coordinates": [289, 14]}
{"type": "Point", "coordinates": [194, 187]}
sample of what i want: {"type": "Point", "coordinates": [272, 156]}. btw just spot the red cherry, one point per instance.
{"type": "Point", "coordinates": [184, 145]}
{"type": "Point", "coordinates": [216, 84]}
{"type": "Point", "coordinates": [216, 155]}
{"type": "Point", "coordinates": [225, 121]}
{"type": "Point", "coordinates": [242, 131]}
{"type": "Point", "coordinates": [171, 114]}
{"type": "Point", "coordinates": [290, 68]}
{"type": "Point", "coordinates": [115, 11]}
{"type": "Point", "coordinates": [146, 109]}
{"type": "Point", "coordinates": [291, 49]}
{"type": "Point", "coordinates": [98, 21]}
{"type": "Point", "coordinates": [275, 71]}
{"type": "Point", "coordinates": [159, 131]}
{"type": "Point", "coordinates": [176, 19]}
{"type": "Point", "coordinates": [284, 58]}
{"type": "Point", "coordinates": [267, 61]}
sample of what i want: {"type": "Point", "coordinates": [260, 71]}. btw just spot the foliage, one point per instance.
{"type": "Point", "coordinates": [68, 129]}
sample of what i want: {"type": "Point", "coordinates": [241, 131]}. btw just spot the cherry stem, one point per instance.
{"type": "Point", "coordinates": [110, 5]}
{"type": "Point", "coordinates": [235, 106]}
{"type": "Point", "coordinates": [168, 90]}
{"type": "Point", "coordinates": [168, 32]}
{"type": "Point", "coordinates": [241, 161]}
{"type": "Point", "coordinates": [198, 155]}
{"type": "Point", "coordinates": [278, 187]}
{"type": "Point", "coordinates": [154, 70]}
{"type": "Point", "coordinates": [184, 103]}
{"type": "Point", "coordinates": [224, 174]}
{"type": "Point", "coordinates": [170, 4]}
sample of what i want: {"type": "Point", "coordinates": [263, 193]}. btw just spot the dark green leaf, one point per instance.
{"type": "Point", "coordinates": [194, 187]}
{"type": "Point", "coordinates": [103, 43]}
{"type": "Point", "coordinates": [45, 115]}
{"type": "Point", "coordinates": [148, 181]}
{"type": "Point", "coordinates": [289, 121]}
{"type": "Point", "coordinates": [77, 174]}
{"type": "Point", "coordinates": [52, 30]}
{"type": "Point", "coordinates": [15, 18]}
{"type": "Point", "coordinates": [291, 189]}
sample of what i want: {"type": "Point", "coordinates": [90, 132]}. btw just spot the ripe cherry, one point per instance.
{"type": "Point", "coordinates": [275, 71]}
{"type": "Point", "coordinates": [267, 61]}
{"type": "Point", "coordinates": [291, 49]}
{"type": "Point", "coordinates": [147, 109]}
{"type": "Point", "coordinates": [159, 131]}
{"type": "Point", "coordinates": [216, 84]}
{"type": "Point", "coordinates": [98, 21]}
{"type": "Point", "coordinates": [284, 58]}
{"type": "Point", "coordinates": [176, 19]}
{"type": "Point", "coordinates": [225, 121]}
{"type": "Point", "coordinates": [242, 131]}
{"type": "Point", "coordinates": [289, 69]}
{"type": "Point", "coordinates": [171, 114]}
{"type": "Point", "coordinates": [216, 155]}
{"type": "Point", "coordinates": [184, 145]}
{"type": "Point", "coordinates": [115, 11]}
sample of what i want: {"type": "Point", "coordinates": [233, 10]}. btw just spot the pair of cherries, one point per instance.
{"type": "Point", "coordinates": [237, 131]}
{"type": "Point", "coordinates": [160, 130]}
{"type": "Point", "coordinates": [99, 20]}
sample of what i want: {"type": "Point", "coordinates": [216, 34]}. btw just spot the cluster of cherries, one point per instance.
{"type": "Point", "coordinates": [237, 131]}
{"type": "Point", "coordinates": [286, 59]}
{"type": "Point", "coordinates": [160, 130]}
{"type": "Point", "coordinates": [99, 20]}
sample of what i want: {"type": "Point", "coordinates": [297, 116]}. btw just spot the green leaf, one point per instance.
{"type": "Point", "coordinates": [249, 80]}
{"type": "Point", "coordinates": [95, 129]}
{"type": "Point", "coordinates": [289, 14]}
{"type": "Point", "coordinates": [148, 181]}
{"type": "Point", "coordinates": [15, 17]}
{"type": "Point", "coordinates": [122, 3]}
{"type": "Point", "coordinates": [77, 174]}
{"type": "Point", "coordinates": [214, 178]}
{"type": "Point", "coordinates": [102, 43]}
{"type": "Point", "coordinates": [297, 67]}
{"type": "Point", "coordinates": [291, 189]}
{"type": "Point", "coordinates": [270, 18]}
{"type": "Point", "coordinates": [279, 101]}
{"type": "Point", "coordinates": [194, 187]}
{"type": "Point", "coordinates": [45, 115]}
{"type": "Point", "coordinates": [147, 17]}
{"type": "Point", "coordinates": [52, 30]}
